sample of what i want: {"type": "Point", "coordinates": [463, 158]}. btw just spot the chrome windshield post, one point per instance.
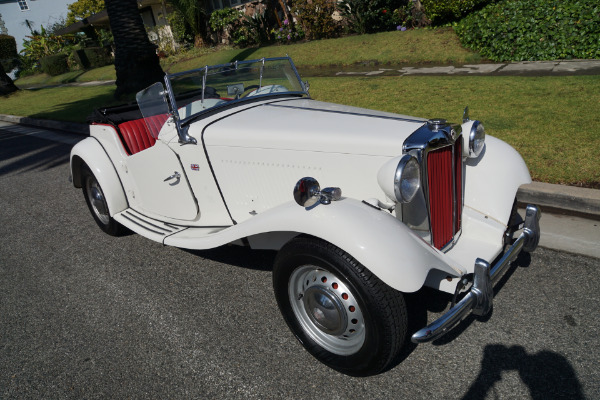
{"type": "Point", "coordinates": [182, 131]}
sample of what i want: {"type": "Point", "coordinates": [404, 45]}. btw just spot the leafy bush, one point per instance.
{"type": "Point", "coordinates": [316, 18]}
{"type": "Point", "coordinates": [8, 52]}
{"type": "Point", "coordinates": [516, 30]}
{"type": "Point", "coordinates": [55, 64]}
{"type": "Point", "coordinates": [363, 16]}
{"type": "Point", "coordinates": [92, 57]}
{"type": "Point", "coordinates": [442, 11]}
{"type": "Point", "coordinates": [287, 33]}
{"type": "Point", "coordinates": [251, 30]}
{"type": "Point", "coordinates": [224, 20]}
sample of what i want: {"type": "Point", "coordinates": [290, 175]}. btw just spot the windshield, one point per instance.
{"type": "Point", "coordinates": [199, 90]}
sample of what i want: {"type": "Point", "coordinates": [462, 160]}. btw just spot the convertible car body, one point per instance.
{"type": "Point", "coordinates": [362, 205]}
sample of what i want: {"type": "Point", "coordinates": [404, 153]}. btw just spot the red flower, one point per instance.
{"type": "Point", "coordinates": [384, 11]}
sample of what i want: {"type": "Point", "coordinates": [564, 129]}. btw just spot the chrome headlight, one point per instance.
{"type": "Point", "coordinates": [476, 139]}
{"type": "Point", "coordinates": [400, 178]}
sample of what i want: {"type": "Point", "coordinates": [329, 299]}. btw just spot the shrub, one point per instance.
{"type": "Point", "coordinates": [223, 20]}
{"type": "Point", "coordinates": [287, 33]}
{"type": "Point", "coordinates": [363, 16]}
{"type": "Point", "coordinates": [517, 30]}
{"type": "Point", "coordinates": [316, 18]}
{"type": "Point", "coordinates": [92, 57]}
{"type": "Point", "coordinates": [442, 11]}
{"type": "Point", "coordinates": [55, 64]}
{"type": "Point", "coordinates": [8, 52]}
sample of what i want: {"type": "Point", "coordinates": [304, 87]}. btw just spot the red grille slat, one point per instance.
{"type": "Point", "coordinates": [441, 197]}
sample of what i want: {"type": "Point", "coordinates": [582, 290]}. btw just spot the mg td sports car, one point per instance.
{"type": "Point", "coordinates": [362, 206]}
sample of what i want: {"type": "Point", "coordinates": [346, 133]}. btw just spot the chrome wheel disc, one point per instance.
{"type": "Point", "coordinates": [96, 197]}
{"type": "Point", "coordinates": [327, 310]}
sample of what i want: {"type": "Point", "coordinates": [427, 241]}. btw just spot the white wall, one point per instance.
{"type": "Point", "coordinates": [41, 12]}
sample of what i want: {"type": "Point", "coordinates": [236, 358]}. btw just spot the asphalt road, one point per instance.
{"type": "Point", "coordinates": [85, 315]}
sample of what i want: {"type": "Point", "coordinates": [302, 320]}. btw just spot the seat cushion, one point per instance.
{"type": "Point", "coordinates": [142, 133]}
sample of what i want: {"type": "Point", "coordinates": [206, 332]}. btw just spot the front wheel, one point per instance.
{"type": "Point", "coordinates": [94, 197]}
{"type": "Point", "coordinates": [341, 312]}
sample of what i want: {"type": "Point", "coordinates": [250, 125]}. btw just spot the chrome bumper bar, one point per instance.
{"type": "Point", "coordinates": [479, 299]}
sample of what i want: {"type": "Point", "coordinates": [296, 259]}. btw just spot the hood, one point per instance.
{"type": "Point", "coordinates": [309, 125]}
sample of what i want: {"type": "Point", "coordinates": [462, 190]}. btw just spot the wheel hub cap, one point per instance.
{"type": "Point", "coordinates": [325, 310]}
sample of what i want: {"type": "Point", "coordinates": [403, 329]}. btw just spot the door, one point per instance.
{"type": "Point", "coordinates": [160, 185]}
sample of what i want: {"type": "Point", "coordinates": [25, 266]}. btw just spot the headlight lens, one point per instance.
{"type": "Point", "coordinates": [476, 139]}
{"type": "Point", "coordinates": [407, 179]}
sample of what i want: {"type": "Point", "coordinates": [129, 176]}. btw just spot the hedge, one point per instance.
{"type": "Point", "coordinates": [92, 57]}
{"type": "Point", "coordinates": [55, 64]}
{"type": "Point", "coordinates": [441, 11]}
{"type": "Point", "coordinates": [8, 52]}
{"type": "Point", "coordinates": [521, 30]}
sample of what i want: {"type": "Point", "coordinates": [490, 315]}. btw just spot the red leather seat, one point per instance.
{"type": "Point", "coordinates": [141, 134]}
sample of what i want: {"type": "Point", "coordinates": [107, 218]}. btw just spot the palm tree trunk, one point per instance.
{"type": "Point", "coordinates": [7, 86]}
{"type": "Point", "coordinates": [136, 63]}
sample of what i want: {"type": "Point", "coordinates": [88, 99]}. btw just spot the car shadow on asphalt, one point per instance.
{"type": "Point", "coordinates": [239, 256]}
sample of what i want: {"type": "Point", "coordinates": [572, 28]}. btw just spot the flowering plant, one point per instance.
{"type": "Point", "coordinates": [287, 33]}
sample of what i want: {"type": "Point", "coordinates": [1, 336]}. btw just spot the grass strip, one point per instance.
{"type": "Point", "coordinates": [551, 121]}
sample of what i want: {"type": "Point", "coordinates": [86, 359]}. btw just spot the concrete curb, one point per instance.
{"type": "Point", "coordinates": [562, 199]}
{"type": "Point", "coordinates": [71, 127]}
{"type": "Point", "coordinates": [551, 198]}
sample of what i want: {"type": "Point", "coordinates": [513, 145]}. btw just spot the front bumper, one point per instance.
{"type": "Point", "coordinates": [479, 299]}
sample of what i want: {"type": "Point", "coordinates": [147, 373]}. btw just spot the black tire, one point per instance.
{"type": "Point", "coordinates": [357, 325]}
{"type": "Point", "coordinates": [94, 198]}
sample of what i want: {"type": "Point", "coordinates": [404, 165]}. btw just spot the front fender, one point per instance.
{"type": "Point", "coordinates": [373, 237]}
{"type": "Point", "coordinates": [492, 179]}
{"type": "Point", "coordinates": [89, 152]}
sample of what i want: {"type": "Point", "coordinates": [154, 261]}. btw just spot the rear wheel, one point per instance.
{"type": "Point", "coordinates": [341, 312]}
{"type": "Point", "coordinates": [94, 197]}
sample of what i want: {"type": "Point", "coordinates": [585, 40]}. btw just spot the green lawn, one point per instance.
{"type": "Point", "coordinates": [413, 47]}
{"type": "Point", "coordinates": [552, 121]}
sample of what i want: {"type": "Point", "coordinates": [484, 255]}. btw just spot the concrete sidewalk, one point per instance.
{"type": "Point", "coordinates": [522, 68]}
{"type": "Point", "coordinates": [570, 215]}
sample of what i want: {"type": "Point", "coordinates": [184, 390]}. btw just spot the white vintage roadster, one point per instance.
{"type": "Point", "coordinates": [362, 205]}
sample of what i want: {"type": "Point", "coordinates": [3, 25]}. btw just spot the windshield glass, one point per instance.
{"type": "Point", "coordinates": [202, 89]}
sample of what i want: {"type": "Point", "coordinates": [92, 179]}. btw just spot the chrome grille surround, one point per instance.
{"type": "Point", "coordinates": [417, 215]}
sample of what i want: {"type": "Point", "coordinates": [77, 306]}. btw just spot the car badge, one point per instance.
{"type": "Point", "coordinates": [195, 167]}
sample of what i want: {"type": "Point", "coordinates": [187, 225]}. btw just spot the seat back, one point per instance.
{"type": "Point", "coordinates": [141, 134]}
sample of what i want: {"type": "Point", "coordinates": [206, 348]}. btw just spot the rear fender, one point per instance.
{"type": "Point", "coordinates": [89, 152]}
{"type": "Point", "coordinates": [373, 237]}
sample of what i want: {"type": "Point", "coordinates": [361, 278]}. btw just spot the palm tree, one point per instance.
{"type": "Point", "coordinates": [6, 84]}
{"type": "Point", "coordinates": [136, 62]}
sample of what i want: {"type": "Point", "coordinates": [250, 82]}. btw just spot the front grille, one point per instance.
{"type": "Point", "coordinates": [444, 179]}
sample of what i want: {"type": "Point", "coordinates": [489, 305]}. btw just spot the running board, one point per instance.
{"type": "Point", "coordinates": [147, 227]}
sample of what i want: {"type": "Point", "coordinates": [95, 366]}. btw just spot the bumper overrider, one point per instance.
{"type": "Point", "coordinates": [479, 299]}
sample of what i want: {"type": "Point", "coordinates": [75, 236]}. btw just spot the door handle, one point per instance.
{"type": "Point", "coordinates": [176, 175]}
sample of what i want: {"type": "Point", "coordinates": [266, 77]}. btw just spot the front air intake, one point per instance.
{"type": "Point", "coordinates": [444, 181]}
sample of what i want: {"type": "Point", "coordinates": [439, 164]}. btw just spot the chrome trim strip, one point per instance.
{"type": "Point", "coordinates": [142, 226]}
{"type": "Point", "coordinates": [144, 221]}
{"type": "Point", "coordinates": [480, 297]}
{"type": "Point", "coordinates": [347, 113]}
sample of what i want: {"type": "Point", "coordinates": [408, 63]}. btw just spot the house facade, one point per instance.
{"type": "Point", "coordinates": [17, 16]}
